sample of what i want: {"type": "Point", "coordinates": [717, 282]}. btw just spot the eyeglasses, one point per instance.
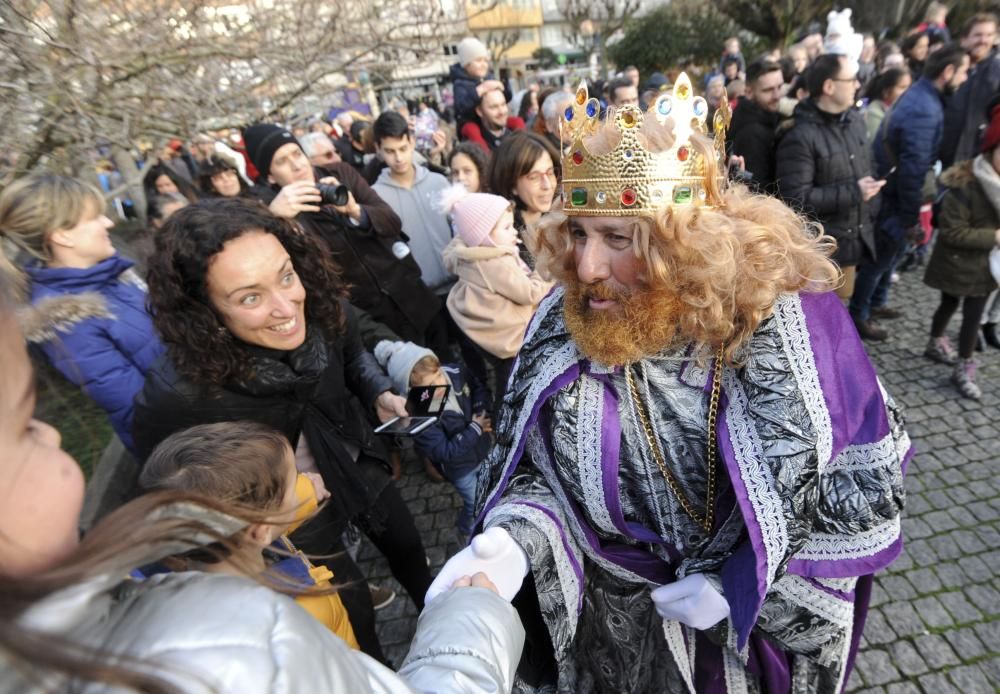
{"type": "Point", "coordinates": [535, 177]}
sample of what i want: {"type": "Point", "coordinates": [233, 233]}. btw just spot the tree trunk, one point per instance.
{"type": "Point", "coordinates": [133, 179]}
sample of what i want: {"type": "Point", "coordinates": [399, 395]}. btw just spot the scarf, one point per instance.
{"type": "Point", "coordinates": [297, 374]}
{"type": "Point", "coordinates": [988, 179]}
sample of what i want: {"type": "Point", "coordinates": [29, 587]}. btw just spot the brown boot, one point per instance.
{"type": "Point", "coordinates": [870, 330]}
{"type": "Point", "coordinates": [431, 471]}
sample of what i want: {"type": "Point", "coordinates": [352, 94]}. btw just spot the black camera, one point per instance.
{"type": "Point", "coordinates": [333, 195]}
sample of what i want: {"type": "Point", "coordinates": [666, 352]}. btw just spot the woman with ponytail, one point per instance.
{"type": "Point", "coordinates": [87, 306]}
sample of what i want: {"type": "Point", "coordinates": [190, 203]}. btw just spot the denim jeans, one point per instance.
{"type": "Point", "coordinates": [871, 284]}
{"type": "Point", "coordinates": [466, 488]}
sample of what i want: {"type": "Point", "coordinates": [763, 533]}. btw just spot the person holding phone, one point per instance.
{"type": "Point", "coordinates": [458, 442]}
{"type": "Point", "coordinates": [250, 310]}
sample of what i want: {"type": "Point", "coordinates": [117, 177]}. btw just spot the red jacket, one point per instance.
{"type": "Point", "coordinates": [473, 132]}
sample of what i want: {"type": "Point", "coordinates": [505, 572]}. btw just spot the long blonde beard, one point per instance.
{"type": "Point", "coordinates": [644, 323]}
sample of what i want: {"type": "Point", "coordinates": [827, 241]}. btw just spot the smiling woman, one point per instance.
{"type": "Point", "coordinates": [88, 308]}
{"type": "Point", "coordinates": [251, 311]}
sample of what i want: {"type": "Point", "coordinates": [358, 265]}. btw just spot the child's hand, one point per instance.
{"type": "Point", "coordinates": [322, 493]}
{"type": "Point", "coordinates": [479, 580]}
{"type": "Point", "coordinates": [483, 420]}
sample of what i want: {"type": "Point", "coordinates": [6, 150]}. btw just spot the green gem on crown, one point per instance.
{"type": "Point", "coordinates": [682, 195]}
{"type": "Point", "coordinates": [578, 197]}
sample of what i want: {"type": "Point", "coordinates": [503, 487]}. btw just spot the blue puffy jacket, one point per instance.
{"type": "Point", "coordinates": [908, 139]}
{"type": "Point", "coordinates": [455, 444]}
{"type": "Point", "coordinates": [93, 326]}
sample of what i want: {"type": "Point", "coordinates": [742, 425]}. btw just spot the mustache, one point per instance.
{"type": "Point", "coordinates": [602, 291]}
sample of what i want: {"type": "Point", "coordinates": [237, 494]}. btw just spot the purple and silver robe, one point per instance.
{"type": "Point", "coordinates": [812, 453]}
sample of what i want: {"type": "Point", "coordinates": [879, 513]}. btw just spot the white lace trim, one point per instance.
{"type": "Point", "coordinates": [844, 655]}
{"type": "Point", "coordinates": [903, 444]}
{"type": "Point", "coordinates": [545, 464]}
{"type": "Point", "coordinates": [569, 584]}
{"type": "Point", "coordinates": [837, 547]}
{"type": "Point", "coordinates": [675, 642]}
{"type": "Point", "coordinates": [794, 334]}
{"type": "Point", "coordinates": [554, 366]}
{"type": "Point", "coordinates": [736, 674]}
{"type": "Point", "coordinates": [589, 452]}
{"type": "Point", "coordinates": [844, 585]}
{"type": "Point", "coordinates": [867, 456]}
{"type": "Point", "coordinates": [756, 475]}
{"type": "Point", "coordinates": [802, 593]}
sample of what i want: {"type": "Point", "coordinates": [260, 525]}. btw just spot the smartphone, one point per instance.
{"type": "Point", "coordinates": [424, 404]}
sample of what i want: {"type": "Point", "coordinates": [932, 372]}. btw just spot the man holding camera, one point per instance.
{"type": "Point", "coordinates": [362, 231]}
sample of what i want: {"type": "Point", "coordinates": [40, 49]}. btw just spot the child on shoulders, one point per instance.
{"type": "Point", "coordinates": [471, 77]}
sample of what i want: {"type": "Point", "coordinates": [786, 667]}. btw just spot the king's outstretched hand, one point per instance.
{"type": "Point", "coordinates": [692, 601]}
{"type": "Point", "coordinates": [494, 553]}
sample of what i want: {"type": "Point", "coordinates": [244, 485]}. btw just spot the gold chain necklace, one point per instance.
{"type": "Point", "coordinates": [705, 521]}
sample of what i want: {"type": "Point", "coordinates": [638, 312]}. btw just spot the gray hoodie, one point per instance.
{"type": "Point", "coordinates": [423, 222]}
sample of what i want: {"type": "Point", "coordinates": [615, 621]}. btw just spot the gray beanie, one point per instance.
{"type": "Point", "coordinates": [469, 49]}
{"type": "Point", "coordinates": [398, 360]}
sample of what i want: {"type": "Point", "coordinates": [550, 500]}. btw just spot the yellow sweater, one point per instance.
{"type": "Point", "coordinates": [328, 609]}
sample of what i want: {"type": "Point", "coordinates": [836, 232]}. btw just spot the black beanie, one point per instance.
{"type": "Point", "coordinates": [262, 141]}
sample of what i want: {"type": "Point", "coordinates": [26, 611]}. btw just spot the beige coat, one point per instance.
{"type": "Point", "coordinates": [494, 297]}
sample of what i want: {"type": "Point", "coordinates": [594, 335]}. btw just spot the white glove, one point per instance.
{"type": "Point", "coordinates": [692, 601]}
{"type": "Point", "coordinates": [493, 552]}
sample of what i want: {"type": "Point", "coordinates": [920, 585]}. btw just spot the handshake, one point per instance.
{"type": "Point", "coordinates": [691, 600]}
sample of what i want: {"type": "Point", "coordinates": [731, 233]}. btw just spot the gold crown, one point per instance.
{"type": "Point", "coordinates": [630, 180]}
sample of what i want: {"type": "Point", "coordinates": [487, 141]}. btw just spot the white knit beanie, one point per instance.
{"type": "Point", "coordinates": [469, 49]}
{"type": "Point", "coordinates": [841, 39]}
{"type": "Point", "coordinates": [475, 214]}
{"type": "Point", "coordinates": [398, 360]}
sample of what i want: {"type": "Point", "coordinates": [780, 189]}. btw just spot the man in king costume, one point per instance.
{"type": "Point", "coordinates": [697, 471]}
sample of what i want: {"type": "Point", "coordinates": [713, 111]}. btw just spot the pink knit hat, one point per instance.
{"type": "Point", "coordinates": [475, 214]}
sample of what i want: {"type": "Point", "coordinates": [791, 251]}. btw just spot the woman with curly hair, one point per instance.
{"type": "Point", "coordinates": [467, 165]}
{"type": "Point", "coordinates": [251, 311]}
{"type": "Point", "coordinates": [220, 178]}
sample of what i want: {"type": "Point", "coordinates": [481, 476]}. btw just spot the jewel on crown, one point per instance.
{"type": "Point", "coordinates": [631, 180]}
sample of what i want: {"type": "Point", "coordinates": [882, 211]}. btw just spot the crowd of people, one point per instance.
{"type": "Point", "coordinates": [641, 302]}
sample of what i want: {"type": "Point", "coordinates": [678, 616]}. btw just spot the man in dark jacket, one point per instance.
{"type": "Point", "coordinates": [351, 147]}
{"type": "Point", "coordinates": [967, 114]}
{"type": "Point", "coordinates": [905, 149]}
{"type": "Point", "coordinates": [823, 166]}
{"type": "Point", "coordinates": [365, 235]}
{"type": "Point", "coordinates": [752, 132]}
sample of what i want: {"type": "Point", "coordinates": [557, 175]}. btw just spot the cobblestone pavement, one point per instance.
{"type": "Point", "coordinates": [934, 625]}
